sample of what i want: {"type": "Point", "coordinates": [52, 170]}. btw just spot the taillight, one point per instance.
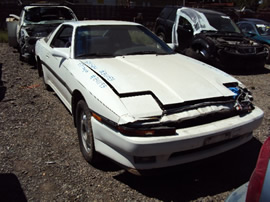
{"type": "Point", "coordinates": [258, 176]}
{"type": "Point", "coordinates": [157, 131]}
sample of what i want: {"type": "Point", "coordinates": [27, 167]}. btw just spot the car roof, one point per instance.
{"type": "Point", "coordinates": [99, 22]}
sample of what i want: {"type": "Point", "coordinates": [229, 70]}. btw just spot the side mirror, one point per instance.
{"type": "Point", "coordinates": [61, 52]}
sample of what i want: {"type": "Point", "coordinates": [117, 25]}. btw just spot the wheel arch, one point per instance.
{"type": "Point", "coordinates": [76, 97]}
{"type": "Point", "coordinates": [39, 66]}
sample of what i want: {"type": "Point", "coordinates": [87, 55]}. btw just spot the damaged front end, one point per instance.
{"type": "Point", "coordinates": [192, 114]}
{"type": "Point", "coordinates": [237, 51]}
{"type": "Point", "coordinates": [243, 52]}
{"type": "Point", "coordinates": [28, 36]}
{"type": "Point", "coordinates": [184, 132]}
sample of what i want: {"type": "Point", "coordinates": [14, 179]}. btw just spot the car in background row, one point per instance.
{"type": "Point", "coordinates": [209, 36]}
{"type": "Point", "coordinates": [257, 189]}
{"type": "Point", "coordinates": [258, 30]}
{"type": "Point", "coordinates": [136, 101]}
{"type": "Point", "coordinates": [36, 22]}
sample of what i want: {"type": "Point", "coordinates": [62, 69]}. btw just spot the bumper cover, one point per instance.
{"type": "Point", "coordinates": [189, 144]}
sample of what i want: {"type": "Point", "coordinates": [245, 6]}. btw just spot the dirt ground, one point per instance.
{"type": "Point", "coordinates": [40, 158]}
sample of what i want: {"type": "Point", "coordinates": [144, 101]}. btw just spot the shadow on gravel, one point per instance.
{"type": "Point", "coordinates": [107, 165]}
{"type": "Point", "coordinates": [242, 71]}
{"type": "Point", "coordinates": [3, 89]}
{"type": "Point", "coordinates": [200, 179]}
{"type": "Point", "coordinates": [10, 188]}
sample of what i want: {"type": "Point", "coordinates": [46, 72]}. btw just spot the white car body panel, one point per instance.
{"type": "Point", "coordinates": [117, 146]}
{"type": "Point", "coordinates": [197, 20]}
{"type": "Point", "coordinates": [110, 87]}
{"type": "Point", "coordinates": [147, 73]}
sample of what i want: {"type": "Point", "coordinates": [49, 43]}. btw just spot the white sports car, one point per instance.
{"type": "Point", "coordinates": [136, 101]}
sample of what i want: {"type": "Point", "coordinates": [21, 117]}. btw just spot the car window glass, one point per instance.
{"type": "Point", "coordinates": [184, 23]}
{"type": "Point", "coordinates": [263, 29]}
{"type": "Point", "coordinates": [247, 28]}
{"type": "Point", "coordinates": [114, 40]}
{"type": "Point", "coordinates": [222, 23]}
{"type": "Point", "coordinates": [172, 16]}
{"type": "Point", "coordinates": [165, 12]}
{"type": "Point", "coordinates": [63, 37]}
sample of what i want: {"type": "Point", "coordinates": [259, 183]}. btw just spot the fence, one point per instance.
{"type": "Point", "coordinates": [149, 14]}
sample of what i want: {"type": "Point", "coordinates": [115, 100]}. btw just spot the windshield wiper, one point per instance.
{"type": "Point", "coordinates": [85, 55]}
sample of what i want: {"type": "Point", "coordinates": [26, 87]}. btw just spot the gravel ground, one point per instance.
{"type": "Point", "coordinates": [40, 158]}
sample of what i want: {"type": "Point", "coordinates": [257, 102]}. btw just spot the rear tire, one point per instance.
{"type": "Point", "coordinates": [85, 133]}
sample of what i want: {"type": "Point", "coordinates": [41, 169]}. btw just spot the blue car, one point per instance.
{"type": "Point", "coordinates": [258, 30]}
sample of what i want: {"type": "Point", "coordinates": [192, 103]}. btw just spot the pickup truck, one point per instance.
{"type": "Point", "coordinates": [209, 36]}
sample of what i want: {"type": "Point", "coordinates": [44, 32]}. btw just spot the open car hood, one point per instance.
{"type": "Point", "coordinates": [171, 78]}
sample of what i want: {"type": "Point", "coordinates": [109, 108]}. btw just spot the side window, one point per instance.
{"type": "Point", "coordinates": [172, 16]}
{"type": "Point", "coordinates": [140, 38]}
{"type": "Point", "coordinates": [184, 23]}
{"type": "Point", "coordinates": [62, 38]}
{"type": "Point", "coordinates": [247, 28]}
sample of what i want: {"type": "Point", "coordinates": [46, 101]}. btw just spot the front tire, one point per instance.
{"type": "Point", "coordinates": [85, 133]}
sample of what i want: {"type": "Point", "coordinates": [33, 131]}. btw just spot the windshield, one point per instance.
{"type": "Point", "coordinates": [222, 23]}
{"type": "Point", "coordinates": [117, 40]}
{"type": "Point", "coordinates": [41, 14]}
{"type": "Point", "coordinates": [263, 29]}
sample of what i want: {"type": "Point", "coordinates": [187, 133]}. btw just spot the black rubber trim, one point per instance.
{"type": "Point", "coordinates": [57, 77]}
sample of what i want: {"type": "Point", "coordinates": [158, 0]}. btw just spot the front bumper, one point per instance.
{"type": "Point", "coordinates": [189, 144]}
{"type": "Point", "coordinates": [28, 48]}
{"type": "Point", "coordinates": [241, 60]}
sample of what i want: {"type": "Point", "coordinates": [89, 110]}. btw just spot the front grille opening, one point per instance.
{"type": "Point", "coordinates": [202, 120]}
{"type": "Point", "coordinates": [210, 146]}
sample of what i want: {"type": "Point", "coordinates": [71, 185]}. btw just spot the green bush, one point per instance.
{"type": "Point", "coordinates": [3, 36]}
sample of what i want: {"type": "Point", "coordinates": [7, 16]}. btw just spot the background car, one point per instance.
{"type": "Point", "coordinates": [136, 101]}
{"type": "Point", "coordinates": [209, 36]}
{"type": "Point", "coordinates": [257, 189]}
{"type": "Point", "coordinates": [36, 22]}
{"type": "Point", "coordinates": [257, 29]}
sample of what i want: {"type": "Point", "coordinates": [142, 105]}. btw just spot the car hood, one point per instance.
{"type": "Point", "coordinates": [265, 39]}
{"type": "Point", "coordinates": [170, 78]}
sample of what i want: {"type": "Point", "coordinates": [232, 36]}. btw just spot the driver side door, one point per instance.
{"type": "Point", "coordinates": [57, 65]}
